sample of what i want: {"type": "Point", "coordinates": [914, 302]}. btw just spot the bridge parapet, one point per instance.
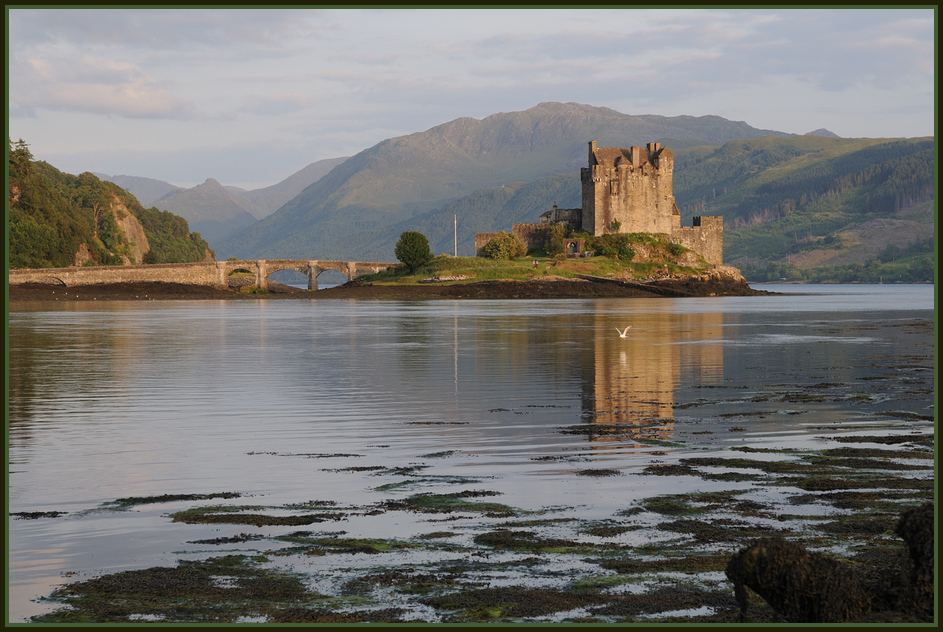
{"type": "Point", "coordinates": [200, 273]}
{"type": "Point", "coordinates": [211, 273]}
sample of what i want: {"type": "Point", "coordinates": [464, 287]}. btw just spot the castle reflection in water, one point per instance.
{"type": "Point", "coordinates": [631, 382]}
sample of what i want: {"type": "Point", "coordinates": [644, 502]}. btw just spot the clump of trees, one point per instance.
{"type": "Point", "coordinates": [412, 249]}
{"type": "Point", "coordinates": [170, 238]}
{"type": "Point", "coordinates": [505, 246]}
{"type": "Point", "coordinates": [616, 245]}
{"type": "Point", "coordinates": [554, 244]}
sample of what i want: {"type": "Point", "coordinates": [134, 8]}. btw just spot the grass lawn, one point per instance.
{"type": "Point", "coordinates": [473, 269]}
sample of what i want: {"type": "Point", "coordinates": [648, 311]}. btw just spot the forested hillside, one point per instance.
{"type": "Point", "coordinates": [763, 180]}
{"type": "Point", "coordinates": [58, 220]}
{"type": "Point", "coordinates": [816, 208]}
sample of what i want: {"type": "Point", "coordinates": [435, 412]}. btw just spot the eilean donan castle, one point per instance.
{"type": "Point", "coordinates": [628, 191]}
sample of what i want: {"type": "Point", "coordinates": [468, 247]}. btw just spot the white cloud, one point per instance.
{"type": "Point", "coordinates": [90, 84]}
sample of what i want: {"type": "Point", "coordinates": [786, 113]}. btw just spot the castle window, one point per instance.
{"type": "Point", "coordinates": [614, 187]}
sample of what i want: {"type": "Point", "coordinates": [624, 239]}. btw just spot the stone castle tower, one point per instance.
{"type": "Point", "coordinates": [630, 189]}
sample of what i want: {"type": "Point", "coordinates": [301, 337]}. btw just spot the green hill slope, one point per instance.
{"type": "Point", "coordinates": [484, 211]}
{"type": "Point", "coordinates": [216, 211]}
{"type": "Point", "coordinates": [816, 204]}
{"type": "Point", "coordinates": [59, 220]}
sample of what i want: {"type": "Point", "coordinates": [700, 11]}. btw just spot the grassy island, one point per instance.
{"type": "Point", "coordinates": [634, 257]}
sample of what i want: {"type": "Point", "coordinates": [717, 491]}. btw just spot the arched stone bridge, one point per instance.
{"type": "Point", "coordinates": [212, 273]}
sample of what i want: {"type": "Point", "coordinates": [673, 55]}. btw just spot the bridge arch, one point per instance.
{"type": "Point", "coordinates": [270, 266]}
{"type": "Point", "coordinates": [331, 277]}
{"type": "Point", "coordinates": [262, 268]}
{"type": "Point", "coordinates": [50, 280]}
{"type": "Point", "coordinates": [225, 268]}
{"type": "Point", "coordinates": [319, 267]}
{"type": "Point", "coordinates": [314, 268]}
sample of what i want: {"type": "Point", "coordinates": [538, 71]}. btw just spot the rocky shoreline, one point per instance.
{"type": "Point", "coordinates": [539, 288]}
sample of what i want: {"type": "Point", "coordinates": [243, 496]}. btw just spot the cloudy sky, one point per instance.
{"type": "Point", "coordinates": [251, 96]}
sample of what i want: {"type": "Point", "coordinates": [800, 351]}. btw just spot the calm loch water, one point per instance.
{"type": "Point", "coordinates": [279, 400]}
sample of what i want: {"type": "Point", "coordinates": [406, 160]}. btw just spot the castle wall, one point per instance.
{"type": "Point", "coordinates": [705, 237]}
{"type": "Point", "coordinates": [571, 216]}
{"type": "Point", "coordinates": [534, 235]}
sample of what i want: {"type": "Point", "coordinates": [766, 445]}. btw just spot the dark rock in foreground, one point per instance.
{"type": "Point", "coordinates": [806, 587]}
{"type": "Point", "coordinates": [803, 587]}
{"type": "Point", "coordinates": [916, 528]}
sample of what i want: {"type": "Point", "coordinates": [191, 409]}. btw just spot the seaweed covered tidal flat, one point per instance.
{"type": "Point", "coordinates": [468, 557]}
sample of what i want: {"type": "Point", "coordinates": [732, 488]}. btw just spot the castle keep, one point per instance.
{"type": "Point", "coordinates": [631, 188]}
{"type": "Point", "coordinates": [628, 191]}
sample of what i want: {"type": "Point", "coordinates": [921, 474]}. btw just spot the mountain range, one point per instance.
{"type": "Point", "coordinates": [410, 175]}
{"type": "Point", "coordinates": [214, 210]}
{"type": "Point", "coordinates": [782, 195]}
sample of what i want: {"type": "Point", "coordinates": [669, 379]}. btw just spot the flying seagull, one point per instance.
{"type": "Point", "coordinates": [623, 333]}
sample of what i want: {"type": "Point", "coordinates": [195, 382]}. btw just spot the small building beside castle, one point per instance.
{"type": "Point", "coordinates": [627, 191]}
